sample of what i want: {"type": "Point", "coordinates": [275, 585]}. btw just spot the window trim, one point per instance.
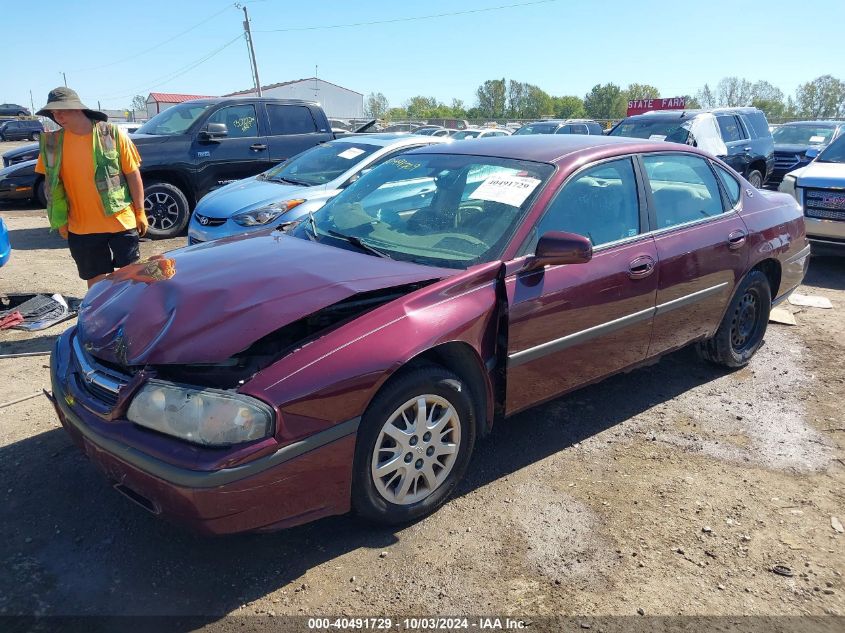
{"type": "Point", "coordinates": [652, 207]}
{"type": "Point", "coordinates": [645, 225]}
{"type": "Point", "coordinates": [726, 199]}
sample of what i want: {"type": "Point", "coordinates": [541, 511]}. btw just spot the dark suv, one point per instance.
{"type": "Point", "coordinates": [20, 130]}
{"type": "Point", "coordinates": [13, 109]}
{"type": "Point", "coordinates": [739, 136]}
{"type": "Point", "coordinates": [792, 140]}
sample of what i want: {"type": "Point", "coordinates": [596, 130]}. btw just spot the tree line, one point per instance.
{"type": "Point", "coordinates": [821, 98]}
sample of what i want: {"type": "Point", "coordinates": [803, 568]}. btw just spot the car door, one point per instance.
{"type": "Point", "coordinates": [736, 140]}
{"type": "Point", "coordinates": [569, 325]}
{"type": "Point", "coordinates": [701, 246]}
{"type": "Point", "coordinates": [240, 154]}
{"type": "Point", "coordinates": [292, 130]}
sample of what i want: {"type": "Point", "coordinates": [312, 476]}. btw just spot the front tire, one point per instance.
{"type": "Point", "coordinates": [40, 193]}
{"type": "Point", "coordinates": [744, 325]}
{"type": "Point", "coordinates": [414, 445]}
{"type": "Point", "coordinates": [34, 136]}
{"type": "Point", "coordinates": [167, 210]}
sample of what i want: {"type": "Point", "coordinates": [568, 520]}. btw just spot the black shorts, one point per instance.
{"type": "Point", "coordinates": [100, 253]}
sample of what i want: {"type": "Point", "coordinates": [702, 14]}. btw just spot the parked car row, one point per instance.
{"type": "Point", "coordinates": [24, 129]}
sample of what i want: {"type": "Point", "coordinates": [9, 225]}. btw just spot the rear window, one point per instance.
{"type": "Point", "coordinates": [659, 129]}
{"type": "Point", "coordinates": [538, 128]}
{"type": "Point", "coordinates": [759, 124]}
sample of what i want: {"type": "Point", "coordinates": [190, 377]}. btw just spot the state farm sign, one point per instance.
{"type": "Point", "coordinates": [638, 106]}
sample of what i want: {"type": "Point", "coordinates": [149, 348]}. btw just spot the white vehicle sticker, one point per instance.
{"type": "Point", "coordinates": [350, 153]}
{"type": "Point", "coordinates": [817, 139]}
{"type": "Point", "coordinates": [512, 190]}
{"type": "Point", "coordinates": [657, 137]}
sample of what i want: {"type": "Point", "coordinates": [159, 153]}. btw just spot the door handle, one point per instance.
{"type": "Point", "coordinates": [736, 239]}
{"type": "Point", "coordinates": [746, 149]}
{"type": "Point", "coordinates": [641, 267]}
{"type": "Point", "coordinates": [257, 147]}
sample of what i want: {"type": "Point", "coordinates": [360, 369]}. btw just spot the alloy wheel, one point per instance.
{"type": "Point", "coordinates": [162, 210]}
{"type": "Point", "coordinates": [416, 449]}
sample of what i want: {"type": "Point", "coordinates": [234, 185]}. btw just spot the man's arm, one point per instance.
{"type": "Point", "coordinates": [136, 189]}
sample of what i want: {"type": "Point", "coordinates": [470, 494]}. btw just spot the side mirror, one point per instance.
{"type": "Point", "coordinates": [355, 177]}
{"type": "Point", "coordinates": [812, 153]}
{"type": "Point", "coordinates": [213, 131]}
{"type": "Point", "coordinates": [557, 247]}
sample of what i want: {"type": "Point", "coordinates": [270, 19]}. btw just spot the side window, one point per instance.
{"type": "Point", "coordinates": [595, 128]}
{"type": "Point", "coordinates": [564, 129]}
{"type": "Point", "coordinates": [285, 119]}
{"type": "Point", "coordinates": [730, 183]}
{"type": "Point", "coordinates": [580, 128]}
{"type": "Point", "coordinates": [600, 203]}
{"type": "Point", "coordinates": [729, 126]}
{"type": "Point", "coordinates": [240, 120]}
{"type": "Point", "coordinates": [683, 188]}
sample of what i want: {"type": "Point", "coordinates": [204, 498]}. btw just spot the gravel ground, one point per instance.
{"type": "Point", "coordinates": [672, 490]}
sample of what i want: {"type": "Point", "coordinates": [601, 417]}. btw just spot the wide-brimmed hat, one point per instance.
{"type": "Point", "coordinates": [63, 98]}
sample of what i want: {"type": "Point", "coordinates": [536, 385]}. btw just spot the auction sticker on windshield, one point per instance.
{"type": "Point", "coordinates": [817, 139]}
{"type": "Point", "coordinates": [512, 190]}
{"type": "Point", "coordinates": [350, 153]}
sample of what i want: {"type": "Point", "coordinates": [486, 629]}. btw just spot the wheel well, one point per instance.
{"type": "Point", "coordinates": [461, 359]}
{"type": "Point", "coordinates": [771, 268]}
{"type": "Point", "coordinates": [175, 179]}
{"type": "Point", "coordinates": [759, 166]}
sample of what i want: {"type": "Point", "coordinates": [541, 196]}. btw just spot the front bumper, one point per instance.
{"type": "Point", "coordinates": [17, 188]}
{"type": "Point", "coordinates": [298, 483]}
{"type": "Point", "coordinates": [826, 236]}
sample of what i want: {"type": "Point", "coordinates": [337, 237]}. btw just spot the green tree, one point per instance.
{"type": "Point", "coordinates": [605, 101]}
{"type": "Point", "coordinates": [397, 114]}
{"type": "Point", "coordinates": [705, 97]}
{"type": "Point", "coordinates": [568, 107]}
{"type": "Point", "coordinates": [821, 98]}
{"type": "Point", "coordinates": [458, 109]}
{"type": "Point", "coordinates": [733, 92]}
{"type": "Point", "coordinates": [492, 98]}
{"type": "Point", "coordinates": [376, 106]}
{"type": "Point", "coordinates": [641, 91]}
{"type": "Point", "coordinates": [138, 103]}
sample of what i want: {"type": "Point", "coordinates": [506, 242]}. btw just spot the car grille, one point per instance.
{"type": "Point", "coordinates": [825, 204]}
{"type": "Point", "coordinates": [786, 162]}
{"type": "Point", "coordinates": [101, 383]}
{"type": "Point", "coordinates": [204, 220]}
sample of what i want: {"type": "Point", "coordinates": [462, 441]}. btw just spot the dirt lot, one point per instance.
{"type": "Point", "coordinates": [671, 490]}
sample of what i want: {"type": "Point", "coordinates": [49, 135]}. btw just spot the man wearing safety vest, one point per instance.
{"type": "Point", "coordinates": [95, 196]}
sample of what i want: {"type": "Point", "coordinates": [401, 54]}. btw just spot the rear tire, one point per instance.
{"type": "Point", "coordinates": [755, 178]}
{"type": "Point", "coordinates": [34, 136]}
{"type": "Point", "coordinates": [40, 193]}
{"type": "Point", "coordinates": [167, 210]}
{"type": "Point", "coordinates": [414, 444]}
{"type": "Point", "coordinates": [744, 325]}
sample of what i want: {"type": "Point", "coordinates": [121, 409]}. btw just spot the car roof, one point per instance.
{"type": "Point", "coordinates": [689, 113]}
{"type": "Point", "coordinates": [808, 123]}
{"type": "Point", "coordinates": [385, 139]}
{"type": "Point", "coordinates": [545, 148]}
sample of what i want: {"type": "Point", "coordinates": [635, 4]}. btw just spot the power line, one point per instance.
{"type": "Point", "coordinates": [154, 47]}
{"type": "Point", "coordinates": [164, 79]}
{"type": "Point", "coordinates": [411, 19]}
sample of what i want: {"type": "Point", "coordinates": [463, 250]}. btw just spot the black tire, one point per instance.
{"type": "Point", "coordinates": [374, 498]}
{"type": "Point", "coordinates": [21, 113]}
{"type": "Point", "coordinates": [744, 325]}
{"type": "Point", "coordinates": [167, 209]}
{"type": "Point", "coordinates": [40, 194]}
{"type": "Point", "coordinates": [755, 178]}
{"type": "Point", "coordinates": [34, 136]}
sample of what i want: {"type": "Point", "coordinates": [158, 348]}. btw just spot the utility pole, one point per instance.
{"type": "Point", "coordinates": [31, 102]}
{"type": "Point", "coordinates": [65, 78]}
{"type": "Point", "coordinates": [248, 35]}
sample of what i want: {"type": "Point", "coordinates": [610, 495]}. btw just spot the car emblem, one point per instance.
{"type": "Point", "coordinates": [203, 220]}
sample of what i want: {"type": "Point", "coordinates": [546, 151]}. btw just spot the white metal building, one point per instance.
{"type": "Point", "coordinates": [338, 102]}
{"type": "Point", "coordinates": [158, 101]}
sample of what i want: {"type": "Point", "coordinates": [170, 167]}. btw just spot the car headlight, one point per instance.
{"type": "Point", "coordinates": [265, 215]}
{"type": "Point", "coordinates": [203, 416]}
{"type": "Point", "coordinates": [787, 185]}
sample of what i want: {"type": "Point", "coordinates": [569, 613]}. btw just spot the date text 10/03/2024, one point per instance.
{"type": "Point", "coordinates": [416, 624]}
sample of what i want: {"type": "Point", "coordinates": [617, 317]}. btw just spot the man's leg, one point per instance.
{"type": "Point", "coordinates": [125, 248]}
{"type": "Point", "coordinates": [92, 255]}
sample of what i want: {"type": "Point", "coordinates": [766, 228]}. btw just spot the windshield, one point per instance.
{"type": "Point", "coordinates": [661, 130]}
{"type": "Point", "coordinates": [537, 128]}
{"type": "Point", "coordinates": [466, 134]}
{"type": "Point", "coordinates": [443, 210]}
{"type": "Point", "coordinates": [835, 152]}
{"type": "Point", "coordinates": [320, 164]}
{"type": "Point", "coordinates": [175, 120]}
{"type": "Point", "coordinates": [803, 134]}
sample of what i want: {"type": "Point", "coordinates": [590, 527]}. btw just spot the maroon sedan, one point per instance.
{"type": "Point", "coordinates": [351, 360]}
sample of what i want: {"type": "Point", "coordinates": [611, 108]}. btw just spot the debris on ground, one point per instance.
{"type": "Point", "coordinates": [32, 312]}
{"type": "Point", "coordinates": [782, 315]}
{"type": "Point", "coordinates": [836, 524]}
{"type": "Point", "coordinates": [811, 301]}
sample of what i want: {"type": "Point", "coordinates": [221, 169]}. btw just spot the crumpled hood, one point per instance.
{"type": "Point", "coordinates": [818, 174]}
{"type": "Point", "coordinates": [245, 195]}
{"type": "Point", "coordinates": [205, 303]}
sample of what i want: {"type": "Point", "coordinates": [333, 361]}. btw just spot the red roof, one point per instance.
{"type": "Point", "coordinates": [166, 97]}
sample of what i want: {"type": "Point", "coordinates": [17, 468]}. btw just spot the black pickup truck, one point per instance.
{"type": "Point", "coordinates": [196, 146]}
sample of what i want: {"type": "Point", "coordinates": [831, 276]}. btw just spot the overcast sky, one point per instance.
{"type": "Point", "coordinates": [111, 51]}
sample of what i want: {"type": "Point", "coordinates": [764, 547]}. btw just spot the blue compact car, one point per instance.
{"type": "Point", "coordinates": [5, 247]}
{"type": "Point", "coordinates": [298, 186]}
